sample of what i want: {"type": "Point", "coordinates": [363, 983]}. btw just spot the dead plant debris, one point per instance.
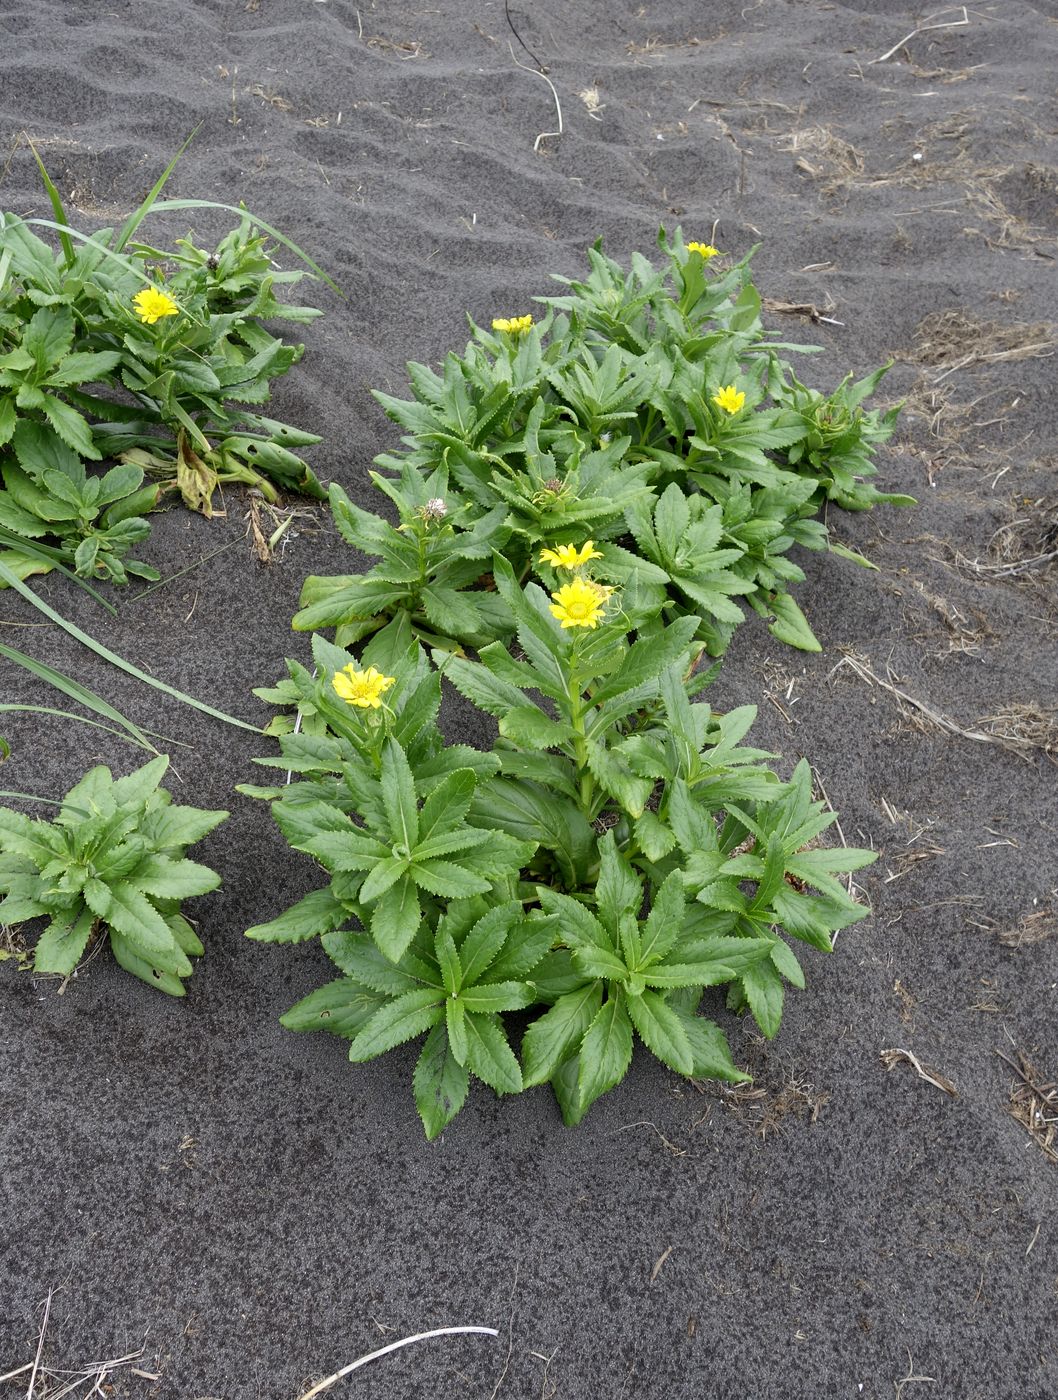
{"type": "Point", "coordinates": [952, 340]}
{"type": "Point", "coordinates": [897, 1056]}
{"type": "Point", "coordinates": [1021, 729]}
{"type": "Point", "coordinates": [1034, 1104]}
{"type": "Point", "coordinates": [1030, 929]}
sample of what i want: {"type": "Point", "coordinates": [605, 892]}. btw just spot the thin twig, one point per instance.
{"type": "Point", "coordinates": [40, 1345]}
{"type": "Point", "coordinates": [924, 27]}
{"type": "Point", "coordinates": [394, 1346]}
{"type": "Point", "coordinates": [554, 93]}
{"type": "Point", "coordinates": [897, 1056]}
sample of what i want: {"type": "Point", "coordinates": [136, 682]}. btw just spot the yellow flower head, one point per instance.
{"type": "Point", "coordinates": [361, 688]}
{"type": "Point", "coordinates": [579, 604]}
{"type": "Point", "coordinates": [705, 250]}
{"type": "Point", "coordinates": [513, 325]}
{"type": "Point", "coordinates": [568, 556]}
{"type": "Point", "coordinates": [729, 398]}
{"type": "Point", "coordinates": [152, 304]}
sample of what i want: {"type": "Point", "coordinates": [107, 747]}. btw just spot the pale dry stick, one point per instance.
{"type": "Point", "coordinates": [40, 1346]}
{"type": "Point", "coordinates": [393, 1346]}
{"type": "Point", "coordinates": [837, 828]}
{"type": "Point", "coordinates": [554, 93]}
{"type": "Point", "coordinates": [510, 1339]}
{"type": "Point", "coordinates": [897, 1056]}
{"type": "Point", "coordinates": [923, 28]}
{"type": "Point", "coordinates": [942, 721]}
{"type": "Point", "coordinates": [911, 1378]}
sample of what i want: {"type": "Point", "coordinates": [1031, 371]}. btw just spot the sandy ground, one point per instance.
{"type": "Point", "coordinates": [244, 1204]}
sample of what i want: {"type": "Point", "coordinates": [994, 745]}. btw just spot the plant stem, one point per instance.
{"type": "Point", "coordinates": [580, 744]}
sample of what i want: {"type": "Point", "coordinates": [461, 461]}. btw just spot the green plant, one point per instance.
{"type": "Point", "coordinates": [616, 853]}
{"type": "Point", "coordinates": [113, 863]}
{"type": "Point", "coordinates": [637, 387]}
{"type": "Point", "coordinates": [158, 357]}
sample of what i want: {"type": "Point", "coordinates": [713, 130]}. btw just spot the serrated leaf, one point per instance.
{"type": "Point", "coordinates": [395, 919]}
{"type": "Point", "coordinates": [317, 912]}
{"type": "Point", "coordinates": [490, 1057]}
{"type": "Point", "coordinates": [661, 1031]}
{"type": "Point", "coordinates": [556, 1035]}
{"type": "Point", "coordinates": [764, 992]}
{"type": "Point", "coordinates": [399, 1020]}
{"type": "Point", "coordinates": [440, 1083]}
{"type": "Point", "coordinates": [342, 1007]}
{"type": "Point", "coordinates": [61, 946]}
{"type": "Point", "coordinates": [606, 1051]}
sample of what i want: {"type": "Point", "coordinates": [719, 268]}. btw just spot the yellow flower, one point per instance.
{"type": "Point", "coordinates": [730, 398]}
{"type": "Point", "coordinates": [706, 250]}
{"type": "Point", "coordinates": [513, 325]}
{"type": "Point", "coordinates": [152, 304]}
{"type": "Point", "coordinates": [568, 556]}
{"type": "Point", "coordinates": [579, 604]}
{"type": "Point", "coordinates": [361, 688]}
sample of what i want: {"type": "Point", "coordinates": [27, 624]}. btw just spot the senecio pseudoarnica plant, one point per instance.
{"type": "Point", "coordinates": [156, 356]}
{"type": "Point", "coordinates": [111, 863]}
{"type": "Point", "coordinates": [615, 854]}
{"type": "Point", "coordinates": [648, 409]}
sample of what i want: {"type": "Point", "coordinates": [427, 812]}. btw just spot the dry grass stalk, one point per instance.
{"type": "Point", "coordinates": [823, 155]}
{"type": "Point", "coordinates": [1025, 727]}
{"type": "Point", "coordinates": [806, 309]}
{"type": "Point", "coordinates": [952, 340]}
{"type": "Point", "coordinates": [1030, 930]}
{"type": "Point", "coordinates": [1018, 728]}
{"type": "Point", "coordinates": [964, 638]}
{"type": "Point", "coordinates": [1034, 1105]}
{"type": "Point", "coordinates": [897, 1056]}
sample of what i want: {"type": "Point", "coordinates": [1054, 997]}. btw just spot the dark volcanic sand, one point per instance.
{"type": "Point", "coordinates": [248, 1206]}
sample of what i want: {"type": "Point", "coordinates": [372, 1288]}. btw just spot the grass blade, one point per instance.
{"type": "Point", "coordinates": [80, 693]}
{"type": "Point", "coordinates": [107, 655]}
{"type": "Point", "coordinates": [242, 211]}
{"type": "Point", "coordinates": [31, 797]}
{"type": "Point", "coordinates": [134, 220]}
{"type": "Point", "coordinates": [81, 719]}
{"type": "Point", "coordinates": [56, 204]}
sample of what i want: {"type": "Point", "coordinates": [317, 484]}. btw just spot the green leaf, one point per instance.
{"type": "Point", "coordinates": [790, 625]}
{"type": "Point", "coordinates": [61, 946]}
{"type": "Point", "coordinates": [315, 913]}
{"type": "Point", "coordinates": [447, 806]}
{"type": "Point", "coordinates": [440, 1083]}
{"type": "Point", "coordinates": [661, 1031]}
{"type": "Point", "coordinates": [489, 997]}
{"type": "Point", "coordinates": [764, 992]}
{"type": "Point", "coordinates": [447, 879]}
{"type": "Point", "coordinates": [532, 729]}
{"type": "Point", "coordinates": [712, 1056]}
{"type": "Point", "coordinates": [664, 922]}
{"type": "Point", "coordinates": [383, 876]}
{"type": "Point", "coordinates": [556, 1035]}
{"type": "Point", "coordinates": [485, 938]}
{"type": "Point", "coordinates": [400, 1020]}
{"type": "Point", "coordinates": [342, 1007]}
{"type": "Point", "coordinates": [398, 795]}
{"type": "Point", "coordinates": [135, 918]}
{"type": "Point", "coordinates": [395, 919]}
{"type": "Point", "coordinates": [150, 969]}
{"type": "Point", "coordinates": [619, 890]}
{"type": "Point", "coordinates": [606, 1051]}
{"type": "Point", "coordinates": [490, 1057]}
{"type": "Point", "coordinates": [173, 879]}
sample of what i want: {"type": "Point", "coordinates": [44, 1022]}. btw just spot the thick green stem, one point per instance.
{"type": "Point", "coordinates": [586, 783]}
